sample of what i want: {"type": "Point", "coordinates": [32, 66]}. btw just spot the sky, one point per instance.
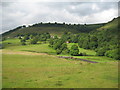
{"type": "Point", "coordinates": [16, 13]}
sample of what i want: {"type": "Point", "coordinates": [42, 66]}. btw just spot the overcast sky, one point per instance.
{"type": "Point", "coordinates": [24, 13]}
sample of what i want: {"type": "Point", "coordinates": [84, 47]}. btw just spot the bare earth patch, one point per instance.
{"type": "Point", "coordinates": [21, 52]}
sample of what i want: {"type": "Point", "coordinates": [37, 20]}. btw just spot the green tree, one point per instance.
{"type": "Point", "coordinates": [113, 54]}
{"type": "Point", "coordinates": [23, 43]}
{"type": "Point", "coordinates": [26, 37]}
{"type": "Point", "coordinates": [19, 37]}
{"type": "Point", "coordinates": [22, 40]}
{"type": "Point", "coordinates": [66, 51]}
{"type": "Point", "coordinates": [55, 37]}
{"type": "Point", "coordinates": [34, 41]}
{"type": "Point", "coordinates": [63, 46]}
{"type": "Point", "coordinates": [74, 51]}
{"type": "Point", "coordinates": [101, 52]}
{"type": "Point", "coordinates": [58, 51]}
{"type": "Point", "coordinates": [57, 45]}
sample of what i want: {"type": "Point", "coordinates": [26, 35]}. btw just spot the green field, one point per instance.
{"type": "Point", "coordinates": [37, 66]}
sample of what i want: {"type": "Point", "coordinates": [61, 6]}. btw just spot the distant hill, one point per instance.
{"type": "Point", "coordinates": [52, 28]}
{"type": "Point", "coordinates": [59, 28]}
{"type": "Point", "coordinates": [110, 28]}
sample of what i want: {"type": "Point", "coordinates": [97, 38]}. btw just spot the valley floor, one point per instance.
{"type": "Point", "coordinates": [33, 66]}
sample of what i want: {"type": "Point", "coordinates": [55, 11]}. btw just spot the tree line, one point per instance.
{"type": "Point", "coordinates": [101, 42]}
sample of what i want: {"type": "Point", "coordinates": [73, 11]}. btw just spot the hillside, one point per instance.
{"type": "Point", "coordinates": [112, 25]}
{"type": "Point", "coordinates": [52, 28]}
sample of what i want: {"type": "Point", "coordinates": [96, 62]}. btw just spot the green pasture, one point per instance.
{"type": "Point", "coordinates": [49, 71]}
{"type": "Point", "coordinates": [44, 71]}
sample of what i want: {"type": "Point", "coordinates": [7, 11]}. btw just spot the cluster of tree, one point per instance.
{"type": "Point", "coordinates": [79, 27]}
{"type": "Point", "coordinates": [104, 44]}
{"type": "Point", "coordinates": [13, 30]}
{"type": "Point", "coordinates": [69, 37]}
{"type": "Point", "coordinates": [59, 45]}
{"type": "Point", "coordinates": [34, 38]}
{"type": "Point", "coordinates": [101, 42]}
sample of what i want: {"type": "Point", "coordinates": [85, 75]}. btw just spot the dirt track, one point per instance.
{"type": "Point", "coordinates": [22, 52]}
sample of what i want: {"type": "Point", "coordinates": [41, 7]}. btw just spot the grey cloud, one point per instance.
{"type": "Point", "coordinates": [15, 14]}
{"type": "Point", "coordinates": [87, 8]}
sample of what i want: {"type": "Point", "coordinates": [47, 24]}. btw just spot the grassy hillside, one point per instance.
{"type": "Point", "coordinates": [112, 25]}
{"type": "Point", "coordinates": [111, 28]}
{"type": "Point", "coordinates": [53, 29]}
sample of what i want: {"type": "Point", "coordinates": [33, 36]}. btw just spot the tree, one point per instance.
{"type": "Point", "coordinates": [74, 39]}
{"type": "Point", "coordinates": [93, 45]}
{"type": "Point", "coordinates": [101, 52]}
{"type": "Point", "coordinates": [85, 44]}
{"type": "Point", "coordinates": [22, 40]}
{"type": "Point", "coordinates": [113, 54]}
{"type": "Point", "coordinates": [63, 46]}
{"type": "Point", "coordinates": [26, 37]}
{"type": "Point", "coordinates": [74, 50]}
{"type": "Point", "coordinates": [58, 44]}
{"type": "Point", "coordinates": [34, 41]}
{"type": "Point", "coordinates": [51, 42]}
{"type": "Point", "coordinates": [66, 51]}
{"type": "Point", "coordinates": [23, 43]}
{"type": "Point", "coordinates": [31, 36]}
{"type": "Point", "coordinates": [55, 37]}
{"type": "Point", "coordinates": [58, 51]}
{"type": "Point", "coordinates": [19, 37]}
{"type": "Point", "coordinates": [47, 35]}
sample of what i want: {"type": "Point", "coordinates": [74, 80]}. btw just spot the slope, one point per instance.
{"type": "Point", "coordinates": [52, 28]}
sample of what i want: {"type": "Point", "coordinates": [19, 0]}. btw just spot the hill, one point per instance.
{"type": "Point", "coordinates": [52, 28]}
{"type": "Point", "coordinates": [109, 31]}
{"type": "Point", "coordinates": [112, 25]}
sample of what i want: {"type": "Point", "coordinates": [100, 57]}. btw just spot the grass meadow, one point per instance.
{"type": "Point", "coordinates": [29, 67]}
